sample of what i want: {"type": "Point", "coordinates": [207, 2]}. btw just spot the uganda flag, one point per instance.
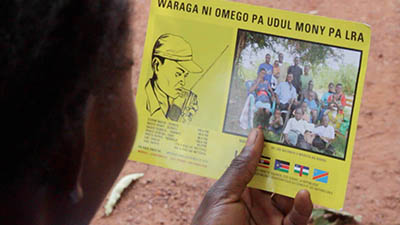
{"type": "Point", "coordinates": [264, 161]}
{"type": "Point", "coordinates": [301, 170]}
{"type": "Point", "coordinates": [282, 166]}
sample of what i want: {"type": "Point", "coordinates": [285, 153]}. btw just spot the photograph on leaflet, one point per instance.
{"type": "Point", "coordinates": [300, 93]}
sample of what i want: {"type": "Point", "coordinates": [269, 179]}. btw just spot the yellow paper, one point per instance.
{"type": "Point", "coordinates": [200, 62]}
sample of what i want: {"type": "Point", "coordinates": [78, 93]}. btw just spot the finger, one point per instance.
{"type": "Point", "coordinates": [283, 203]}
{"type": "Point", "coordinates": [301, 211]}
{"type": "Point", "coordinates": [262, 210]}
{"type": "Point", "coordinates": [242, 168]}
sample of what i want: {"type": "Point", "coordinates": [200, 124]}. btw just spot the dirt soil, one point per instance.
{"type": "Point", "coordinates": [167, 197]}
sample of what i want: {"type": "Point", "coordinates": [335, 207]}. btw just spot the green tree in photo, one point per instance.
{"type": "Point", "coordinates": [316, 54]}
{"type": "Point", "coordinates": [346, 75]}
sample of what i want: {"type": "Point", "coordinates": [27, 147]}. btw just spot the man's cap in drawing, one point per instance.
{"type": "Point", "coordinates": [175, 48]}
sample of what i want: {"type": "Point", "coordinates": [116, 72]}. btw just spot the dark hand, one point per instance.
{"type": "Point", "coordinates": [229, 201]}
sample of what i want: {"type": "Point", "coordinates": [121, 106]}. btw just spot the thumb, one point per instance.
{"type": "Point", "coordinates": [301, 210]}
{"type": "Point", "coordinates": [242, 169]}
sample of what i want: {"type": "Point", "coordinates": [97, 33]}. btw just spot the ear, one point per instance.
{"type": "Point", "coordinates": [155, 64]}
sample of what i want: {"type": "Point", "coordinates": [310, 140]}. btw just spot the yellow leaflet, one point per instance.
{"type": "Point", "coordinates": [199, 95]}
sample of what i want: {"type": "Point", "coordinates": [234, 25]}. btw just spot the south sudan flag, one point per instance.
{"type": "Point", "coordinates": [282, 166]}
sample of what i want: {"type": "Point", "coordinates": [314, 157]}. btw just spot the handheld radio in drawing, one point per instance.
{"type": "Point", "coordinates": [172, 61]}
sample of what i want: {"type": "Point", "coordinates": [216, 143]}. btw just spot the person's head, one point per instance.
{"type": "Point", "coordinates": [332, 107]}
{"type": "Point", "coordinates": [280, 57]}
{"type": "Point", "coordinates": [267, 58]}
{"type": "Point", "coordinates": [277, 113]}
{"type": "Point", "coordinates": [331, 87]}
{"type": "Point", "coordinates": [67, 107]}
{"type": "Point", "coordinates": [306, 69]}
{"type": "Point", "coordinates": [261, 74]}
{"type": "Point", "coordinates": [339, 88]}
{"type": "Point", "coordinates": [325, 121]}
{"type": "Point", "coordinates": [296, 60]}
{"type": "Point", "coordinates": [172, 61]}
{"type": "Point", "coordinates": [304, 106]}
{"type": "Point", "coordinates": [289, 78]}
{"type": "Point", "coordinates": [298, 113]}
{"type": "Point", "coordinates": [310, 85]}
{"type": "Point", "coordinates": [276, 63]}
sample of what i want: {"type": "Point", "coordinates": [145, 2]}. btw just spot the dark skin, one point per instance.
{"type": "Point", "coordinates": [229, 201]}
{"type": "Point", "coordinates": [280, 57]}
{"type": "Point", "coordinates": [267, 58]}
{"type": "Point", "coordinates": [296, 61]}
{"type": "Point", "coordinates": [306, 70]}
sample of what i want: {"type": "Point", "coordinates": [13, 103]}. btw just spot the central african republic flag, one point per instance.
{"type": "Point", "coordinates": [301, 170]}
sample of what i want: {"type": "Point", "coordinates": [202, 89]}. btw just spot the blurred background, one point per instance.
{"type": "Point", "coordinates": [168, 197]}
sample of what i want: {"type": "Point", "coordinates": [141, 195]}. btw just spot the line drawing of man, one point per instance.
{"type": "Point", "coordinates": [171, 62]}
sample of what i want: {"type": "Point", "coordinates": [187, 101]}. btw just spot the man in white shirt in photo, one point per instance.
{"type": "Point", "coordinates": [294, 127]}
{"type": "Point", "coordinates": [326, 132]}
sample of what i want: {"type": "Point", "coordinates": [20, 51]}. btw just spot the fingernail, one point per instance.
{"type": "Point", "coordinates": [252, 137]}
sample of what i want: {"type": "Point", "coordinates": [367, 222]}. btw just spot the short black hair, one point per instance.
{"type": "Point", "coordinates": [54, 55]}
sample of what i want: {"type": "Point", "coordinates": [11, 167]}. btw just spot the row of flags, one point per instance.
{"type": "Point", "coordinates": [283, 166]}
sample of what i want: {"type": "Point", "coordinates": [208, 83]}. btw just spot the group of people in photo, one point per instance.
{"type": "Point", "coordinates": [286, 105]}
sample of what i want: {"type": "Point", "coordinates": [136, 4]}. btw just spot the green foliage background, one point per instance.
{"type": "Point", "coordinates": [346, 75]}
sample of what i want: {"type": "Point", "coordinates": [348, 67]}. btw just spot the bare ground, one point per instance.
{"type": "Point", "coordinates": [167, 197]}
